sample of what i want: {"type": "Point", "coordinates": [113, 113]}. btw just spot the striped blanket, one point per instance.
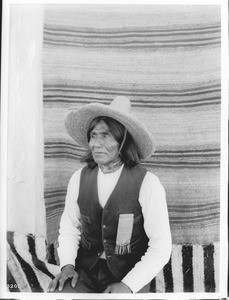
{"type": "Point", "coordinates": [28, 267]}
{"type": "Point", "coordinates": [31, 266]}
{"type": "Point", "coordinates": [171, 73]}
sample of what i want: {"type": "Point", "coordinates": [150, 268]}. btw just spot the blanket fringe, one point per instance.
{"type": "Point", "coordinates": [122, 249]}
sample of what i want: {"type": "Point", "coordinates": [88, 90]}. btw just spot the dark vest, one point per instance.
{"type": "Point", "coordinates": [99, 225]}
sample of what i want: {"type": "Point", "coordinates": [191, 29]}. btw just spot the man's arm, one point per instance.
{"type": "Point", "coordinates": [156, 224]}
{"type": "Point", "coordinates": [69, 237]}
{"type": "Point", "coordinates": [69, 233]}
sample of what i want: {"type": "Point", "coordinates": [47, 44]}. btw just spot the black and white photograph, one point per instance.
{"type": "Point", "coordinates": [114, 150]}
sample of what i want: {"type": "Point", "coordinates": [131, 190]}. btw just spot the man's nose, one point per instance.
{"type": "Point", "coordinates": [97, 142]}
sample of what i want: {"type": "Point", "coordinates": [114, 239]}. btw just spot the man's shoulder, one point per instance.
{"type": "Point", "coordinates": [148, 173]}
{"type": "Point", "coordinates": [76, 175]}
{"type": "Point", "coordinates": [151, 177]}
{"type": "Point", "coordinates": [154, 183]}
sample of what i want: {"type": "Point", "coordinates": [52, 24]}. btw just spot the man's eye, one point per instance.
{"type": "Point", "coordinates": [106, 134]}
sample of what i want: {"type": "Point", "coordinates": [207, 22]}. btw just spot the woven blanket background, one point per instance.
{"type": "Point", "coordinates": [166, 59]}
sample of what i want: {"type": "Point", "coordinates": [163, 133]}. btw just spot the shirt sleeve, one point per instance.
{"type": "Point", "coordinates": [69, 232]}
{"type": "Point", "coordinates": [156, 224]}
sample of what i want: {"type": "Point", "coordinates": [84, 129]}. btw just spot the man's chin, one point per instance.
{"type": "Point", "coordinates": [99, 157]}
{"type": "Point", "coordinates": [100, 162]}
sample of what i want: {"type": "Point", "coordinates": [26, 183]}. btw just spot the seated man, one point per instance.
{"type": "Point", "coordinates": [114, 231]}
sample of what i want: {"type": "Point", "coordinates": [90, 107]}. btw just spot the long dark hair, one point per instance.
{"type": "Point", "coordinates": [130, 154]}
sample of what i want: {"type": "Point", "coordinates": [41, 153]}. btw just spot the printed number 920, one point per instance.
{"type": "Point", "coordinates": [12, 285]}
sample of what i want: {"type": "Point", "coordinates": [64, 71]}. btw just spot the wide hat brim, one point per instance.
{"type": "Point", "coordinates": [78, 122]}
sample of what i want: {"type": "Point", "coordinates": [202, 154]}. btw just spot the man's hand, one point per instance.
{"type": "Point", "coordinates": [117, 288]}
{"type": "Point", "coordinates": [67, 271]}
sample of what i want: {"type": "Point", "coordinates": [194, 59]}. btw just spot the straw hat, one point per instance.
{"type": "Point", "coordinates": [77, 123]}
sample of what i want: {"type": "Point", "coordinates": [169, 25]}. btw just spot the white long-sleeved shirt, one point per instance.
{"type": "Point", "coordinates": [156, 224]}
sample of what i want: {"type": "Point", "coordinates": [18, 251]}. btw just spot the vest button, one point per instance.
{"type": "Point", "coordinates": [105, 241]}
{"type": "Point", "coordinates": [104, 226]}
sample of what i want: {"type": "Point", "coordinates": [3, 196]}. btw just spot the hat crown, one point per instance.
{"type": "Point", "coordinates": [121, 103]}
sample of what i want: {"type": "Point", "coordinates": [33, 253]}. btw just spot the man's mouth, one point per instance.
{"type": "Point", "coordinates": [98, 153]}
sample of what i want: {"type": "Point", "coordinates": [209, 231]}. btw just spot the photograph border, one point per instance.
{"type": "Point", "coordinates": [223, 293]}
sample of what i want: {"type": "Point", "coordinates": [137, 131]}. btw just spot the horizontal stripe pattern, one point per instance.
{"type": "Point", "coordinates": [171, 73]}
{"type": "Point", "coordinates": [177, 276]}
{"type": "Point", "coordinates": [200, 214]}
{"type": "Point", "coordinates": [198, 96]}
{"type": "Point", "coordinates": [179, 215]}
{"type": "Point", "coordinates": [184, 158]}
{"type": "Point", "coordinates": [57, 35]}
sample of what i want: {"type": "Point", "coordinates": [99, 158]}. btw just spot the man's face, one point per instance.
{"type": "Point", "coordinates": [103, 145]}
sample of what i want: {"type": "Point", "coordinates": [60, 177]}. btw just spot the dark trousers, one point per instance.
{"type": "Point", "coordinates": [96, 281]}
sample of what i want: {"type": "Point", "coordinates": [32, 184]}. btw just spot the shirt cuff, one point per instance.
{"type": "Point", "coordinates": [134, 286]}
{"type": "Point", "coordinates": [66, 260]}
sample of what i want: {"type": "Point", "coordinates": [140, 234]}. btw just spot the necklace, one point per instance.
{"type": "Point", "coordinates": [111, 166]}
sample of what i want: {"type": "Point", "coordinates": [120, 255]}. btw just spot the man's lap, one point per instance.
{"type": "Point", "coordinates": [84, 285]}
{"type": "Point", "coordinates": [96, 281]}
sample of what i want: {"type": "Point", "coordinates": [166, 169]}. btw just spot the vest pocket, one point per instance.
{"type": "Point", "coordinates": [139, 217]}
{"type": "Point", "coordinates": [86, 228]}
{"type": "Point", "coordinates": [134, 245]}
{"type": "Point", "coordinates": [85, 219]}
{"type": "Point", "coordinates": [85, 242]}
